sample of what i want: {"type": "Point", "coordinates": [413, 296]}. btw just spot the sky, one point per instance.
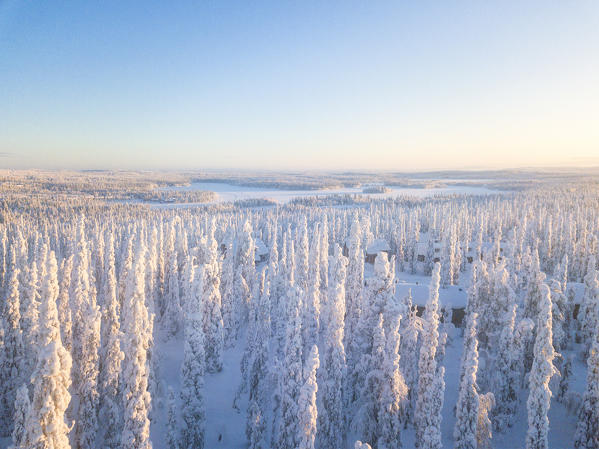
{"type": "Point", "coordinates": [396, 85]}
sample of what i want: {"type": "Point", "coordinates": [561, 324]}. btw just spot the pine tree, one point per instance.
{"type": "Point", "coordinates": [539, 398]}
{"type": "Point", "coordinates": [46, 426]}
{"type": "Point", "coordinates": [331, 425]}
{"type": "Point", "coordinates": [192, 372]}
{"type": "Point", "coordinates": [307, 402]}
{"type": "Point", "coordinates": [137, 325]}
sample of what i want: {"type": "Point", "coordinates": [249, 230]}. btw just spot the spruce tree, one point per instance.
{"type": "Point", "coordinates": [587, 431]}
{"type": "Point", "coordinates": [111, 355]}
{"type": "Point", "coordinates": [331, 420]}
{"type": "Point", "coordinates": [539, 398]}
{"type": "Point", "coordinates": [46, 426]}
{"type": "Point", "coordinates": [307, 402]}
{"type": "Point", "coordinates": [137, 325]}
{"type": "Point", "coordinates": [467, 406]}
{"type": "Point", "coordinates": [192, 372]}
{"type": "Point", "coordinates": [11, 352]}
{"type": "Point", "coordinates": [211, 299]}
{"type": "Point", "coordinates": [430, 380]}
{"type": "Point", "coordinates": [21, 411]}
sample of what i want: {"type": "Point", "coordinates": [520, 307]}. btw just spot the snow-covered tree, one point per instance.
{"type": "Point", "coordinates": [371, 391]}
{"type": "Point", "coordinates": [535, 278]}
{"type": "Point", "coordinates": [244, 277]}
{"type": "Point", "coordinates": [29, 303]}
{"type": "Point", "coordinates": [331, 419]}
{"type": "Point", "coordinates": [354, 284]}
{"type": "Point", "coordinates": [506, 379]}
{"type": "Point", "coordinates": [172, 428]}
{"type": "Point", "coordinates": [408, 349]}
{"type": "Point", "coordinates": [465, 428]}
{"type": "Point", "coordinates": [311, 307]}
{"type": "Point", "coordinates": [11, 352]}
{"type": "Point", "coordinates": [258, 370]}
{"type": "Point", "coordinates": [111, 355]}
{"type": "Point", "coordinates": [192, 371]}
{"type": "Point", "coordinates": [565, 377]}
{"type": "Point", "coordinates": [539, 397]}
{"type": "Point", "coordinates": [589, 308]}
{"type": "Point", "coordinates": [137, 325]}
{"type": "Point", "coordinates": [587, 431]}
{"type": "Point", "coordinates": [211, 299]}
{"type": "Point", "coordinates": [377, 299]}
{"type": "Point", "coordinates": [86, 343]}
{"type": "Point", "coordinates": [64, 304]}
{"type": "Point", "coordinates": [484, 430]}
{"type": "Point", "coordinates": [430, 381]}
{"type": "Point", "coordinates": [173, 313]}
{"type": "Point", "coordinates": [287, 431]}
{"type": "Point", "coordinates": [226, 287]}
{"type": "Point", "coordinates": [45, 423]}
{"type": "Point", "coordinates": [307, 414]}
{"type": "Point", "coordinates": [21, 411]}
{"type": "Point", "coordinates": [256, 427]}
{"type": "Point", "coordinates": [394, 392]}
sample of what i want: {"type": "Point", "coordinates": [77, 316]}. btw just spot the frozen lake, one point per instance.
{"type": "Point", "coordinates": [231, 192]}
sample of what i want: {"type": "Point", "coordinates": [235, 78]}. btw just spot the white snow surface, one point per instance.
{"type": "Point", "coordinates": [230, 192]}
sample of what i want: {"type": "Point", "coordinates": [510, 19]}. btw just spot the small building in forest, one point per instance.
{"type": "Point", "coordinates": [377, 246]}
{"type": "Point", "coordinates": [261, 253]}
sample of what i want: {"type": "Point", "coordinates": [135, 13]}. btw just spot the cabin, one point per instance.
{"type": "Point", "coordinates": [377, 246]}
{"type": "Point", "coordinates": [261, 252]}
{"type": "Point", "coordinates": [422, 249]}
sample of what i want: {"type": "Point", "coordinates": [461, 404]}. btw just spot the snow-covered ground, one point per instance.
{"type": "Point", "coordinates": [230, 192]}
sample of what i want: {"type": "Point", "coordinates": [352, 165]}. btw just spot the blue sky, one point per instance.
{"type": "Point", "coordinates": [311, 84]}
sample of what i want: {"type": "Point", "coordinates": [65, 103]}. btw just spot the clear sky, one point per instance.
{"type": "Point", "coordinates": [402, 85]}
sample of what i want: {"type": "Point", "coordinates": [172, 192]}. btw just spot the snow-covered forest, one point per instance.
{"type": "Point", "coordinates": [442, 322]}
